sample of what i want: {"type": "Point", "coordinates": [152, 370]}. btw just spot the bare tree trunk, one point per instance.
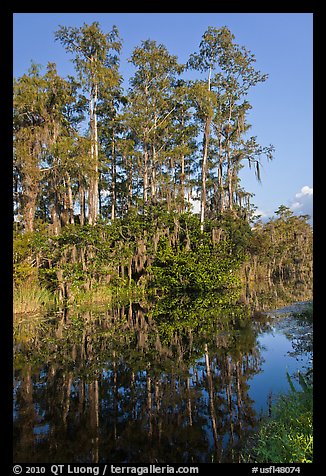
{"type": "Point", "coordinates": [204, 163]}
{"type": "Point", "coordinates": [55, 217]}
{"type": "Point", "coordinates": [220, 188]}
{"type": "Point", "coordinates": [204, 173]}
{"type": "Point", "coordinates": [182, 183]}
{"type": "Point", "coordinates": [229, 169]}
{"type": "Point", "coordinates": [64, 215]}
{"type": "Point", "coordinates": [114, 179]}
{"type": "Point", "coordinates": [82, 202]}
{"type": "Point", "coordinates": [153, 178]}
{"type": "Point", "coordinates": [230, 184]}
{"type": "Point", "coordinates": [29, 206]}
{"type": "Point", "coordinates": [70, 204]}
{"type": "Point", "coordinates": [130, 187]}
{"type": "Point", "coordinates": [145, 176]}
{"type": "Point", "coordinates": [93, 182]}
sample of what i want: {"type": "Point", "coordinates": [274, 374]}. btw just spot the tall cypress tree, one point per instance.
{"type": "Point", "coordinates": [221, 106]}
{"type": "Point", "coordinates": [96, 61]}
{"type": "Point", "coordinates": [150, 110]}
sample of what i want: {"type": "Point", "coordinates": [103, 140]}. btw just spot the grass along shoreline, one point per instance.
{"type": "Point", "coordinates": [286, 435]}
{"type": "Point", "coordinates": [32, 298]}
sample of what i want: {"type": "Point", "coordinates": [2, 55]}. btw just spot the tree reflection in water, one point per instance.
{"type": "Point", "coordinates": [163, 382]}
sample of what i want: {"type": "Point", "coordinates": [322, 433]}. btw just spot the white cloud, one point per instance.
{"type": "Point", "coordinates": [304, 192]}
{"type": "Point", "coordinates": [302, 204]}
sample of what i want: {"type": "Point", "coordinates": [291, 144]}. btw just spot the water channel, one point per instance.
{"type": "Point", "coordinates": [179, 380]}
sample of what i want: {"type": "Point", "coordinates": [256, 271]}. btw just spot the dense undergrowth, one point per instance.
{"type": "Point", "coordinates": [160, 253]}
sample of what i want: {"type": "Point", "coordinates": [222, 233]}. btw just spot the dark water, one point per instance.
{"type": "Point", "coordinates": [183, 380]}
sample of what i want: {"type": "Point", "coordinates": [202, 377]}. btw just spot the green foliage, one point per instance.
{"type": "Point", "coordinates": [236, 229]}
{"type": "Point", "coordinates": [164, 251]}
{"type": "Point", "coordinates": [287, 437]}
{"type": "Point", "coordinates": [282, 247]}
{"type": "Point", "coordinates": [194, 262]}
{"type": "Point", "coordinates": [22, 268]}
{"type": "Point", "coordinates": [31, 298]}
{"type": "Point", "coordinates": [204, 269]}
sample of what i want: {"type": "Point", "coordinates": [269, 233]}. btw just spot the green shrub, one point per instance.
{"type": "Point", "coordinates": [206, 268]}
{"type": "Point", "coordinates": [287, 436]}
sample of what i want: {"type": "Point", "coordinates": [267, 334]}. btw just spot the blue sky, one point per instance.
{"type": "Point", "coordinates": [282, 106]}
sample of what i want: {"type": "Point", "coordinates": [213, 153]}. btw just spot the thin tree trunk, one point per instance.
{"type": "Point", "coordinates": [128, 161]}
{"type": "Point", "coordinates": [29, 208]}
{"type": "Point", "coordinates": [113, 187]}
{"type": "Point", "coordinates": [64, 215]}
{"type": "Point", "coordinates": [82, 204]}
{"type": "Point", "coordinates": [204, 163]}
{"type": "Point", "coordinates": [55, 217]}
{"type": "Point", "coordinates": [153, 178]}
{"type": "Point", "coordinates": [100, 210]}
{"type": "Point", "coordinates": [93, 182]}
{"type": "Point", "coordinates": [70, 203]}
{"type": "Point", "coordinates": [204, 173]}
{"type": "Point", "coordinates": [229, 169]}
{"type": "Point", "coordinates": [230, 185]}
{"type": "Point", "coordinates": [130, 190]}
{"type": "Point", "coordinates": [182, 174]}
{"type": "Point", "coordinates": [220, 188]}
{"type": "Point", "coordinates": [145, 176]}
{"type": "Point", "coordinates": [182, 183]}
